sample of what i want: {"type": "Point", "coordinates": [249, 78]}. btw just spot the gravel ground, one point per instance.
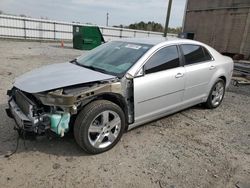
{"type": "Point", "coordinates": [193, 148]}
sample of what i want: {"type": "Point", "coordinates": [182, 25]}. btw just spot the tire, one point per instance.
{"type": "Point", "coordinates": [99, 126]}
{"type": "Point", "coordinates": [218, 90]}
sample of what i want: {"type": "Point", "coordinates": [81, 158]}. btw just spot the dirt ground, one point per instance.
{"type": "Point", "coordinates": [193, 148]}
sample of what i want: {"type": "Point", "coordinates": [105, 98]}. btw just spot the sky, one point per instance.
{"type": "Point", "coordinates": [122, 12]}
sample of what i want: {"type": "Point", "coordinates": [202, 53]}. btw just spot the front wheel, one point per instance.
{"type": "Point", "coordinates": [216, 94]}
{"type": "Point", "coordinates": [99, 126]}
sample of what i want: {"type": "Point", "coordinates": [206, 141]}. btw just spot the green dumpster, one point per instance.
{"type": "Point", "coordinates": [86, 37]}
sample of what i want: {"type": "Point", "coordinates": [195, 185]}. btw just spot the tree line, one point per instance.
{"type": "Point", "coordinates": [150, 26]}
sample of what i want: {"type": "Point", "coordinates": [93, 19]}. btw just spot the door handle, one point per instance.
{"type": "Point", "coordinates": [178, 75]}
{"type": "Point", "coordinates": [212, 67]}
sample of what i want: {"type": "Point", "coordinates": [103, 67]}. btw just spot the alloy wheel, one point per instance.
{"type": "Point", "coordinates": [217, 93]}
{"type": "Point", "coordinates": [104, 129]}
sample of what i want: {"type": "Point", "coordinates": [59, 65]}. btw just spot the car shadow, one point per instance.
{"type": "Point", "coordinates": [57, 146]}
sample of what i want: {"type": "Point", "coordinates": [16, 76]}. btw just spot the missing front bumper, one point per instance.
{"type": "Point", "coordinates": [21, 120]}
{"type": "Point", "coordinates": [57, 122]}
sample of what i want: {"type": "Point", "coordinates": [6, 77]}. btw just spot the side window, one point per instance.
{"type": "Point", "coordinates": [207, 55]}
{"type": "Point", "coordinates": [194, 54]}
{"type": "Point", "coordinates": [165, 58]}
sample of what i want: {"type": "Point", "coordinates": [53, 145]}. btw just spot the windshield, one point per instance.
{"type": "Point", "coordinates": [113, 58]}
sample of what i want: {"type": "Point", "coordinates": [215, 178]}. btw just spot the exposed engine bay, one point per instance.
{"type": "Point", "coordinates": [53, 110]}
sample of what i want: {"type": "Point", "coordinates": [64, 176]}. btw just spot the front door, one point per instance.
{"type": "Point", "coordinates": [161, 88]}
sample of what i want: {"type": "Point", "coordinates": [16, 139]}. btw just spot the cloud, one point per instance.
{"type": "Point", "coordinates": [94, 11]}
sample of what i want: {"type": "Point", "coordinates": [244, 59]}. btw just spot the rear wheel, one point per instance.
{"type": "Point", "coordinates": [99, 126]}
{"type": "Point", "coordinates": [216, 94]}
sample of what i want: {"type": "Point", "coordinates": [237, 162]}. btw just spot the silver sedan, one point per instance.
{"type": "Point", "coordinates": [116, 87]}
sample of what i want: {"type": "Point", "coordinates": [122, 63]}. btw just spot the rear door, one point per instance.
{"type": "Point", "coordinates": [199, 68]}
{"type": "Point", "coordinates": [161, 87]}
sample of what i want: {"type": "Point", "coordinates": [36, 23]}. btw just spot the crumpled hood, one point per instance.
{"type": "Point", "coordinates": [56, 76]}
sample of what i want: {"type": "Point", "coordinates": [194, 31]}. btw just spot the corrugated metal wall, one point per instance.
{"type": "Point", "coordinates": [223, 24]}
{"type": "Point", "coordinates": [205, 4]}
{"type": "Point", "coordinates": [29, 28]}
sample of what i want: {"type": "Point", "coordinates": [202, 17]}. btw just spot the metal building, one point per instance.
{"type": "Point", "coordinates": [223, 24]}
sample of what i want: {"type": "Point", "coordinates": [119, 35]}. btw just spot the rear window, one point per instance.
{"type": "Point", "coordinates": [195, 54]}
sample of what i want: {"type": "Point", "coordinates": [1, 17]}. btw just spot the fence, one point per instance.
{"type": "Point", "coordinates": [30, 28]}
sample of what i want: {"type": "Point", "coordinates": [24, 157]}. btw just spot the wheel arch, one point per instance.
{"type": "Point", "coordinates": [116, 98]}
{"type": "Point", "coordinates": [223, 78]}
{"type": "Point", "coordinates": [209, 103]}
{"type": "Point", "coordinates": [218, 74]}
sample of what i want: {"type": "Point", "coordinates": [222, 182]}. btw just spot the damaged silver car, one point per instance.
{"type": "Point", "coordinates": [118, 86]}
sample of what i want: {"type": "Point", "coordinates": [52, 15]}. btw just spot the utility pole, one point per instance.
{"type": "Point", "coordinates": [107, 21]}
{"type": "Point", "coordinates": [167, 17]}
{"type": "Point", "coordinates": [184, 16]}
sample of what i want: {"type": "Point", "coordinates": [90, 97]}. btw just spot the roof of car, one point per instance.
{"type": "Point", "coordinates": [154, 40]}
